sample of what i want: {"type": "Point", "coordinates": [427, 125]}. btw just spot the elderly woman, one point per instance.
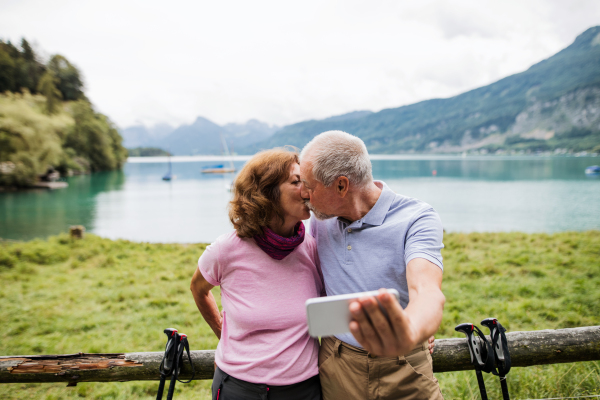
{"type": "Point", "coordinates": [267, 268]}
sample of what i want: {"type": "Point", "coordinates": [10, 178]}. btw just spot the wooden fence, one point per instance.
{"type": "Point", "coordinates": [526, 349]}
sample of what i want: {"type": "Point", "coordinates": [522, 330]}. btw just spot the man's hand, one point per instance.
{"type": "Point", "coordinates": [406, 328]}
{"type": "Point", "coordinates": [375, 333]}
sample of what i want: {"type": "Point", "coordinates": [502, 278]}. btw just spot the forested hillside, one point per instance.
{"type": "Point", "coordinates": [555, 104]}
{"type": "Point", "coordinates": [47, 125]}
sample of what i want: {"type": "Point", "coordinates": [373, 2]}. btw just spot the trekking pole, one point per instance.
{"type": "Point", "coordinates": [176, 362]}
{"type": "Point", "coordinates": [166, 365]}
{"type": "Point", "coordinates": [185, 345]}
{"type": "Point", "coordinates": [481, 356]}
{"type": "Point", "coordinates": [501, 354]}
{"type": "Point", "coordinates": [182, 346]}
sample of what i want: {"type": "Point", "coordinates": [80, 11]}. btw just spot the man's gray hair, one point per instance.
{"type": "Point", "coordinates": [336, 153]}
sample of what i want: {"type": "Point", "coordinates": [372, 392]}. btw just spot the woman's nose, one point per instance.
{"type": "Point", "coordinates": [304, 192]}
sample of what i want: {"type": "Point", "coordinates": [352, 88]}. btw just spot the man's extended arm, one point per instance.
{"type": "Point", "coordinates": [408, 327]}
{"type": "Point", "coordinates": [206, 302]}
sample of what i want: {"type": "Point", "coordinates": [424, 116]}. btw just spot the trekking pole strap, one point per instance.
{"type": "Point", "coordinates": [487, 353]}
{"type": "Point", "coordinates": [499, 334]}
{"type": "Point", "coordinates": [480, 352]}
{"type": "Point", "coordinates": [186, 345]}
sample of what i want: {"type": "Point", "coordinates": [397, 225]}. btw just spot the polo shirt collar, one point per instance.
{"type": "Point", "coordinates": [377, 214]}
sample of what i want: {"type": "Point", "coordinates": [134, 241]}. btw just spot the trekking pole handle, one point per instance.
{"type": "Point", "coordinates": [166, 364]}
{"type": "Point", "coordinates": [492, 325]}
{"type": "Point", "coordinates": [170, 331]}
{"type": "Point", "coordinates": [472, 343]}
{"type": "Point", "coordinates": [170, 349]}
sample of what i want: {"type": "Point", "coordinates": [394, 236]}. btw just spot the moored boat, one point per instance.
{"type": "Point", "coordinates": [168, 176]}
{"type": "Point", "coordinates": [217, 169]}
{"type": "Point", "coordinates": [221, 169]}
{"type": "Point", "coordinates": [593, 170]}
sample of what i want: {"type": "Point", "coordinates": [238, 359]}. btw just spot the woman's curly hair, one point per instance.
{"type": "Point", "coordinates": [256, 191]}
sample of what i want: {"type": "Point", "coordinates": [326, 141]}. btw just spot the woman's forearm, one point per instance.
{"type": "Point", "coordinates": [207, 305]}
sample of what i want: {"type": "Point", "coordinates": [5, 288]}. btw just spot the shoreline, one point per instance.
{"type": "Point", "coordinates": [374, 157]}
{"type": "Point", "coordinates": [187, 244]}
{"type": "Point", "coordinates": [36, 186]}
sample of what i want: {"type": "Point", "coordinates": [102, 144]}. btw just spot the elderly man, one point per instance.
{"type": "Point", "coordinates": [379, 239]}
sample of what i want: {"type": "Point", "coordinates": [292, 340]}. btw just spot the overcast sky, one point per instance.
{"type": "Point", "coordinates": [281, 61]}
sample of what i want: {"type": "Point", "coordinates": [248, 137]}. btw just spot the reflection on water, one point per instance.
{"type": "Point", "coordinates": [492, 206]}
{"type": "Point", "coordinates": [40, 213]}
{"type": "Point", "coordinates": [487, 168]}
{"type": "Point", "coordinates": [531, 194]}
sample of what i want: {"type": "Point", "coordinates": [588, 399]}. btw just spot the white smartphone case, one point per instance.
{"type": "Point", "coordinates": [328, 316]}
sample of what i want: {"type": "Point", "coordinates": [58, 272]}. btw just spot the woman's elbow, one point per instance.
{"type": "Point", "coordinates": [196, 283]}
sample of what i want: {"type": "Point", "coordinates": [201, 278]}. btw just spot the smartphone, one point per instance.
{"type": "Point", "coordinates": [328, 316]}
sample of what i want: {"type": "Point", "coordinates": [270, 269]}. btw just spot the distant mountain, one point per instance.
{"type": "Point", "coordinates": [348, 116]}
{"type": "Point", "coordinates": [199, 138]}
{"type": "Point", "coordinates": [251, 132]}
{"type": "Point", "coordinates": [554, 104]}
{"type": "Point", "coordinates": [142, 136]}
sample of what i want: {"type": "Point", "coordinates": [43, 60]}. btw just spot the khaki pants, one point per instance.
{"type": "Point", "coordinates": [349, 373]}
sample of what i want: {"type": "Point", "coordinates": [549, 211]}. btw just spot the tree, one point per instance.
{"type": "Point", "coordinates": [95, 138]}
{"type": "Point", "coordinates": [30, 140]}
{"type": "Point", "coordinates": [69, 138]}
{"type": "Point", "coordinates": [7, 71]}
{"type": "Point", "coordinates": [30, 69]}
{"type": "Point", "coordinates": [19, 68]}
{"type": "Point", "coordinates": [47, 87]}
{"type": "Point", "coordinates": [69, 77]}
{"type": "Point", "coordinates": [27, 51]}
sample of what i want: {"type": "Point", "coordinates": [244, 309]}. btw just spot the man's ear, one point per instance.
{"type": "Point", "coordinates": [342, 185]}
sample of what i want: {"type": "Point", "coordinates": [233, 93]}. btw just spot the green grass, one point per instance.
{"type": "Point", "coordinates": [97, 295]}
{"type": "Point", "coordinates": [528, 282]}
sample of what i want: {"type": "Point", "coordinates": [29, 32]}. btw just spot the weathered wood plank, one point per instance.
{"type": "Point", "coordinates": [526, 349]}
{"type": "Point", "coordinates": [104, 367]}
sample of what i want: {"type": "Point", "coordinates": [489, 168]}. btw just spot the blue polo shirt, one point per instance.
{"type": "Point", "coordinates": [373, 252]}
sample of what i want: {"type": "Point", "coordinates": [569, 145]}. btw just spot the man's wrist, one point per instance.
{"type": "Point", "coordinates": [420, 332]}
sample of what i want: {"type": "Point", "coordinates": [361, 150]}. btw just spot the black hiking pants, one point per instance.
{"type": "Point", "coordinates": [226, 387]}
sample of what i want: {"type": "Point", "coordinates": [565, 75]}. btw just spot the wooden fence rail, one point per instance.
{"type": "Point", "coordinates": [526, 349]}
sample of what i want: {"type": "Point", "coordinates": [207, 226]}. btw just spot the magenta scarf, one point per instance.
{"type": "Point", "coordinates": [278, 247]}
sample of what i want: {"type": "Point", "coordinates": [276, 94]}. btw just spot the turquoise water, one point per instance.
{"type": "Point", "coordinates": [529, 194]}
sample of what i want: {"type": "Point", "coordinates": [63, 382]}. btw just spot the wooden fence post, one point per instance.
{"type": "Point", "coordinates": [526, 349]}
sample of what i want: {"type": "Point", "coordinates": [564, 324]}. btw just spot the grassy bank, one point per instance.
{"type": "Point", "coordinates": [98, 295]}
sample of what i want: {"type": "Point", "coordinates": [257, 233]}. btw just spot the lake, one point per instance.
{"type": "Point", "coordinates": [485, 193]}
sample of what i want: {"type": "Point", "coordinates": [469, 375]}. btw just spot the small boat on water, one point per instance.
{"type": "Point", "coordinates": [593, 170]}
{"type": "Point", "coordinates": [168, 176]}
{"type": "Point", "coordinates": [217, 169]}
{"type": "Point", "coordinates": [221, 168]}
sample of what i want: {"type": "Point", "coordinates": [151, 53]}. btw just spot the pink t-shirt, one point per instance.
{"type": "Point", "coordinates": [264, 337]}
